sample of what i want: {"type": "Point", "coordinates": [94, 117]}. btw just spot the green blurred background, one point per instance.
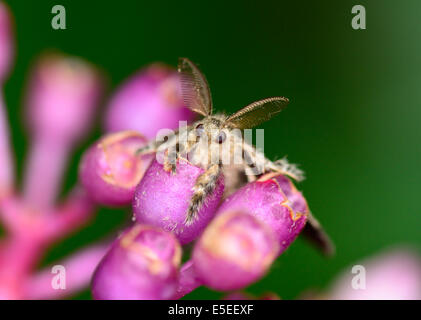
{"type": "Point", "coordinates": [353, 123]}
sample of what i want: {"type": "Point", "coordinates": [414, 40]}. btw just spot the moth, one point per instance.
{"type": "Point", "coordinates": [216, 137]}
{"type": "Point", "coordinates": [214, 142]}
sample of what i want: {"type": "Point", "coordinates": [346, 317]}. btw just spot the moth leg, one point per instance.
{"type": "Point", "coordinates": [170, 160]}
{"type": "Point", "coordinates": [177, 146]}
{"type": "Point", "coordinates": [149, 148]}
{"type": "Point", "coordinates": [163, 146]}
{"type": "Point", "coordinates": [250, 174]}
{"type": "Point", "coordinates": [286, 168]}
{"type": "Point", "coordinates": [204, 186]}
{"type": "Point", "coordinates": [263, 165]}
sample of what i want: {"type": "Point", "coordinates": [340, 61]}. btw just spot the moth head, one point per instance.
{"type": "Point", "coordinates": [213, 128]}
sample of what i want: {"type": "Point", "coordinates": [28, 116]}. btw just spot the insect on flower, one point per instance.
{"type": "Point", "coordinates": [215, 142]}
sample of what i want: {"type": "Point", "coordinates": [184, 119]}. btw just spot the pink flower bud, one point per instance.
{"type": "Point", "coordinates": [274, 200]}
{"type": "Point", "coordinates": [148, 102]}
{"type": "Point", "coordinates": [142, 264]}
{"type": "Point", "coordinates": [235, 250]}
{"type": "Point", "coordinates": [111, 169]}
{"type": "Point", "coordinates": [162, 199]}
{"type": "Point", "coordinates": [62, 98]}
{"type": "Point", "coordinates": [6, 41]}
{"type": "Point", "coordinates": [393, 275]}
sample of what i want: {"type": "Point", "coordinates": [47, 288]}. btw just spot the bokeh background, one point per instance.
{"type": "Point", "coordinates": [353, 121]}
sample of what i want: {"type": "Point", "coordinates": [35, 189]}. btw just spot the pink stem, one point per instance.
{"type": "Point", "coordinates": [53, 224]}
{"type": "Point", "coordinates": [18, 257]}
{"type": "Point", "coordinates": [10, 214]}
{"type": "Point", "coordinates": [44, 170]}
{"type": "Point", "coordinates": [188, 281]}
{"type": "Point", "coordinates": [6, 161]}
{"type": "Point", "coordinates": [76, 211]}
{"type": "Point", "coordinates": [30, 234]}
{"type": "Point", "coordinates": [78, 272]}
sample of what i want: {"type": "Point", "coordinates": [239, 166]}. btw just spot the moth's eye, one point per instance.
{"type": "Point", "coordinates": [221, 137]}
{"type": "Point", "coordinates": [200, 129]}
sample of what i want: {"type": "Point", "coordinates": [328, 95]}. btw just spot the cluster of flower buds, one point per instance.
{"type": "Point", "coordinates": [235, 236]}
{"type": "Point", "coordinates": [62, 97]}
{"type": "Point", "coordinates": [236, 239]}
